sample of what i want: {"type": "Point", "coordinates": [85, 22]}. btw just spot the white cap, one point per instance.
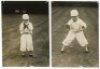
{"type": "Point", "coordinates": [25, 16]}
{"type": "Point", "coordinates": [74, 12]}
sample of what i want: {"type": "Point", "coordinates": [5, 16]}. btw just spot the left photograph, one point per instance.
{"type": "Point", "coordinates": [25, 34]}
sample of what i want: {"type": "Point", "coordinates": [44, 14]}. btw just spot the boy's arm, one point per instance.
{"type": "Point", "coordinates": [21, 28]}
{"type": "Point", "coordinates": [83, 24]}
{"type": "Point", "coordinates": [68, 24]}
{"type": "Point", "coordinates": [84, 27]}
{"type": "Point", "coordinates": [31, 28]}
{"type": "Point", "coordinates": [68, 27]}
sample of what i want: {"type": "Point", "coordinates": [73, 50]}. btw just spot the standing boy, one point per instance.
{"type": "Point", "coordinates": [26, 43]}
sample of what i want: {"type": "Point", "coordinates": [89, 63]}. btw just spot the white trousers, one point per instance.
{"type": "Point", "coordinates": [79, 36]}
{"type": "Point", "coordinates": [26, 43]}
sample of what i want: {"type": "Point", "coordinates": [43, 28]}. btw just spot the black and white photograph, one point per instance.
{"type": "Point", "coordinates": [75, 34]}
{"type": "Point", "coordinates": [25, 34]}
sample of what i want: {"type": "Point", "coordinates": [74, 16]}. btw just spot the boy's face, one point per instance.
{"type": "Point", "coordinates": [74, 18]}
{"type": "Point", "coordinates": [25, 21]}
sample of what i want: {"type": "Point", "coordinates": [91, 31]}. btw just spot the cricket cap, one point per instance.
{"type": "Point", "coordinates": [25, 16]}
{"type": "Point", "coordinates": [74, 12]}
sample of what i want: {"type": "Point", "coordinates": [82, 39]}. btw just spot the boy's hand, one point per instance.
{"type": "Point", "coordinates": [68, 27]}
{"type": "Point", "coordinates": [83, 28]}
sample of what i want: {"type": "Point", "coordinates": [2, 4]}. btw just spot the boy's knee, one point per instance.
{"type": "Point", "coordinates": [67, 43]}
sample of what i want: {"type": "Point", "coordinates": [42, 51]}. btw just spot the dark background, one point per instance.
{"type": "Point", "coordinates": [34, 7]}
{"type": "Point", "coordinates": [74, 4]}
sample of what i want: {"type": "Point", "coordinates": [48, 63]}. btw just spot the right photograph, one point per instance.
{"type": "Point", "coordinates": [75, 34]}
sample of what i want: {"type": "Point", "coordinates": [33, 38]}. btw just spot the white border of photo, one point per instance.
{"type": "Point", "coordinates": [50, 39]}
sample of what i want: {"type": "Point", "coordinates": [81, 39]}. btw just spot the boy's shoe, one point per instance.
{"type": "Point", "coordinates": [23, 55]}
{"type": "Point", "coordinates": [62, 51]}
{"type": "Point", "coordinates": [31, 55]}
{"type": "Point", "coordinates": [86, 51]}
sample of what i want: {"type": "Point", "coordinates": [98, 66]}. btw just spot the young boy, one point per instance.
{"type": "Point", "coordinates": [76, 27]}
{"type": "Point", "coordinates": [26, 43]}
